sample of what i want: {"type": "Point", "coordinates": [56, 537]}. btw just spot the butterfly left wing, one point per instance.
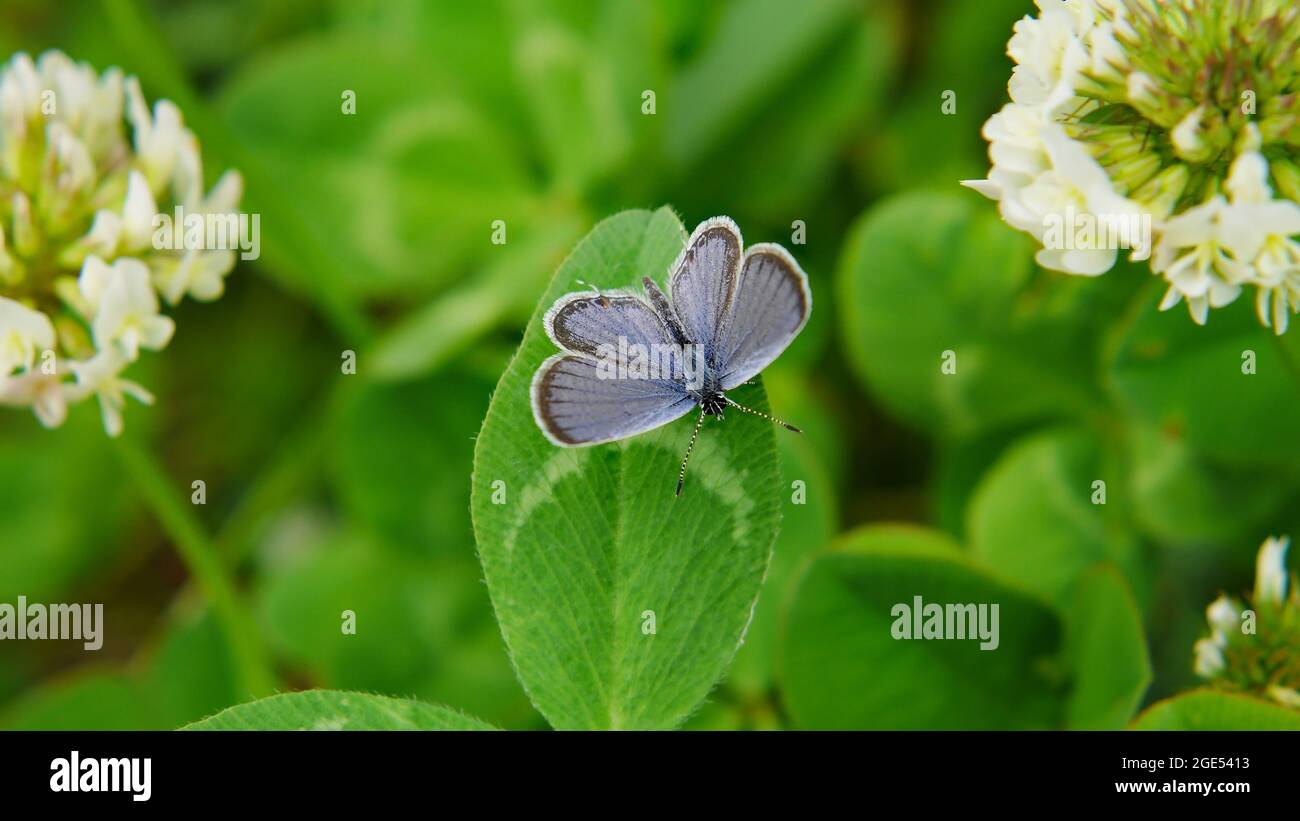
{"type": "Point", "coordinates": [771, 305]}
{"type": "Point", "coordinates": [594, 324]}
{"type": "Point", "coordinates": [575, 404]}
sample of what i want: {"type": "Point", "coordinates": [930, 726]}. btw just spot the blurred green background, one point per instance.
{"type": "Point", "coordinates": [328, 492]}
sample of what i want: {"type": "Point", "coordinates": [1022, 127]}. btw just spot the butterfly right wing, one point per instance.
{"type": "Point", "coordinates": [703, 283]}
{"type": "Point", "coordinates": [772, 305]}
{"type": "Point", "coordinates": [575, 404]}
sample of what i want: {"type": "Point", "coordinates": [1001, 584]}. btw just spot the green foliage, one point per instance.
{"type": "Point", "coordinates": [335, 710]}
{"type": "Point", "coordinates": [330, 493]}
{"type": "Point", "coordinates": [1179, 376]}
{"type": "Point", "coordinates": [404, 190]}
{"type": "Point", "coordinates": [792, 91]}
{"type": "Point", "coordinates": [590, 541]}
{"type": "Point", "coordinates": [382, 431]}
{"type": "Point", "coordinates": [1208, 710]}
{"type": "Point", "coordinates": [928, 278]}
{"type": "Point", "coordinates": [423, 627]}
{"type": "Point", "coordinates": [1034, 520]}
{"type": "Point", "coordinates": [807, 525]}
{"type": "Point", "coordinates": [90, 700]}
{"type": "Point", "coordinates": [850, 659]}
{"type": "Point", "coordinates": [1181, 496]}
{"type": "Point", "coordinates": [841, 667]}
{"type": "Point", "coordinates": [1107, 652]}
{"type": "Point", "coordinates": [44, 502]}
{"type": "Point", "coordinates": [189, 675]}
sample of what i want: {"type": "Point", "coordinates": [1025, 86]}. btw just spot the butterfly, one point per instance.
{"type": "Point", "coordinates": [732, 312]}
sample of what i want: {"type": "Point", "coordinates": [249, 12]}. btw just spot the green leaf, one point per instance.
{"type": "Point", "coordinates": [569, 92]}
{"type": "Point", "coordinates": [337, 710]}
{"type": "Point", "coordinates": [958, 469]}
{"type": "Point", "coordinates": [87, 700]}
{"type": "Point", "coordinates": [473, 38]}
{"type": "Point", "coordinates": [920, 143]}
{"type": "Point", "coordinates": [924, 274]}
{"type": "Point", "coordinates": [423, 626]}
{"type": "Point", "coordinates": [426, 338]}
{"type": "Point", "coordinates": [808, 513]}
{"type": "Point", "coordinates": [841, 667]}
{"type": "Point", "coordinates": [802, 401]}
{"type": "Point", "coordinates": [714, 716]}
{"type": "Point", "coordinates": [1181, 377]}
{"type": "Point", "coordinates": [400, 458]}
{"type": "Point", "coordinates": [1210, 710]}
{"type": "Point", "coordinates": [771, 87]}
{"type": "Point", "coordinates": [1107, 650]}
{"type": "Point", "coordinates": [758, 46]}
{"type": "Point", "coordinates": [403, 192]}
{"type": "Point", "coordinates": [191, 674]}
{"type": "Point", "coordinates": [61, 498]}
{"type": "Point", "coordinates": [1181, 497]}
{"type": "Point", "coordinates": [1032, 519]}
{"type": "Point", "coordinates": [587, 540]}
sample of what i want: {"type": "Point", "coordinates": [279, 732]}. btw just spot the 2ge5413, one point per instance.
{"type": "Point", "coordinates": [1220, 763]}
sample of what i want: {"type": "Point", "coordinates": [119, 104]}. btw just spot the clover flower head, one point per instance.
{"type": "Point", "coordinates": [1270, 571]}
{"type": "Point", "coordinates": [1254, 647]}
{"type": "Point", "coordinates": [1167, 128]}
{"type": "Point", "coordinates": [86, 171]}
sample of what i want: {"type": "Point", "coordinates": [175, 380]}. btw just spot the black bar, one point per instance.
{"type": "Point", "coordinates": [1004, 770]}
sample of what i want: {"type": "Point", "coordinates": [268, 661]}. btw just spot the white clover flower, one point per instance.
{"type": "Point", "coordinates": [1178, 121]}
{"type": "Point", "coordinates": [83, 263]}
{"type": "Point", "coordinates": [1270, 571]}
{"type": "Point", "coordinates": [101, 376]}
{"type": "Point", "coordinates": [1264, 657]}
{"type": "Point", "coordinates": [1224, 616]}
{"type": "Point", "coordinates": [1287, 696]}
{"type": "Point", "coordinates": [125, 306]}
{"type": "Point", "coordinates": [24, 332]}
{"type": "Point", "coordinates": [1209, 658]}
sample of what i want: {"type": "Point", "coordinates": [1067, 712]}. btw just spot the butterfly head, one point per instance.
{"type": "Point", "coordinates": [712, 402]}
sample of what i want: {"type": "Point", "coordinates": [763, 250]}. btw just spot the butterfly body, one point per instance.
{"type": "Point", "coordinates": [712, 403]}
{"type": "Point", "coordinates": [731, 312]}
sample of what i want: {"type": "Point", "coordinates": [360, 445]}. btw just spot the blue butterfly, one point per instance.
{"type": "Point", "coordinates": [733, 311]}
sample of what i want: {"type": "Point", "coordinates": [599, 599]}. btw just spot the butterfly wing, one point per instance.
{"type": "Point", "coordinates": [586, 323]}
{"type": "Point", "coordinates": [579, 398]}
{"type": "Point", "coordinates": [771, 305]}
{"type": "Point", "coordinates": [703, 283]}
{"type": "Point", "coordinates": [575, 404]}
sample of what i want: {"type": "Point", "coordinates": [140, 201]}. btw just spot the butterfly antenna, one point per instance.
{"type": "Point", "coordinates": [695, 434]}
{"type": "Point", "coordinates": [766, 416]}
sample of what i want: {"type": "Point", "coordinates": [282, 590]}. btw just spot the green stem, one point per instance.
{"type": "Point", "coordinates": [252, 663]}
